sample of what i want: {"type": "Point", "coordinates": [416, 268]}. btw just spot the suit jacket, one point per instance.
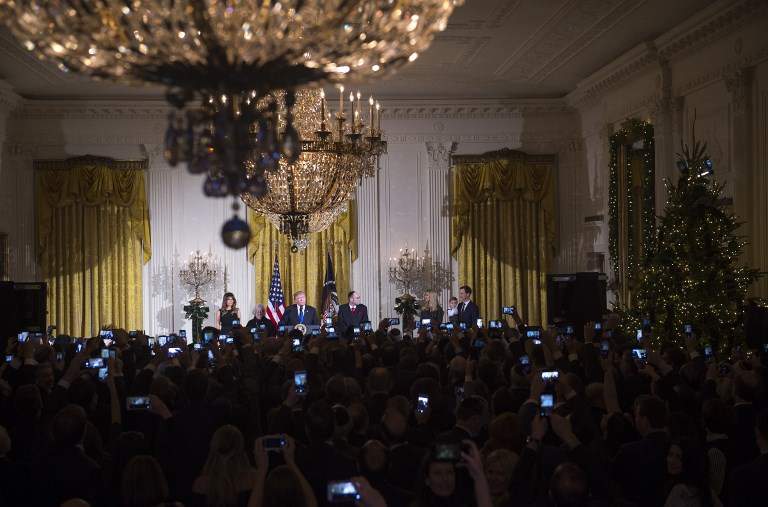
{"type": "Point", "coordinates": [469, 313]}
{"type": "Point", "coordinates": [291, 316]}
{"type": "Point", "coordinates": [640, 469]}
{"type": "Point", "coordinates": [347, 319]}
{"type": "Point", "coordinates": [748, 485]}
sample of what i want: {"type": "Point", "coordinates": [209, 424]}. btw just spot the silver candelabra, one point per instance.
{"type": "Point", "coordinates": [413, 274]}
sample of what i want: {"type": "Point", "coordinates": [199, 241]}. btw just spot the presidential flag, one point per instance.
{"type": "Point", "coordinates": [275, 308]}
{"type": "Point", "coordinates": [330, 299]}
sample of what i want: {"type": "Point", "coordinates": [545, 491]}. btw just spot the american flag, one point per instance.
{"type": "Point", "coordinates": [275, 306]}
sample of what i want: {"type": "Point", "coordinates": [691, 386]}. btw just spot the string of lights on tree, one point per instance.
{"type": "Point", "coordinates": [693, 274]}
{"type": "Point", "coordinates": [640, 132]}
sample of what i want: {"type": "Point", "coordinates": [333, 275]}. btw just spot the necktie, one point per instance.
{"type": "Point", "coordinates": [461, 308]}
{"type": "Point", "coordinates": [353, 309]}
{"type": "Point", "coordinates": [301, 315]}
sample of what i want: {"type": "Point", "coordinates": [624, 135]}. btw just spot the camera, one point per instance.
{"type": "Point", "coordinates": [300, 382]}
{"type": "Point", "coordinates": [236, 323]}
{"type": "Point", "coordinates": [533, 333]}
{"type": "Point", "coordinates": [394, 321]}
{"type": "Point", "coordinates": [569, 331]}
{"type": "Point", "coordinates": [367, 327]}
{"type": "Point", "coordinates": [95, 362]}
{"type": "Point", "coordinates": [59, 357]}
{"type": "Point", "coordinates": [546, 404]}
{"type": "Point", "coordinates": [137, 402]}
{"type": "Point", "coordinates": [197, 346]}
{"type": "Point", "coordinates": [150, 342]}
{"type": "Point", "coordinates": [229, 340]}
{"type": "Point", "coordinates": [688, 329]}
{"type": "Point", "coordinates": [447, 452]}
{"type": "Point", "coordinates": [162, 340]}
{"type": "Point", "coordinates": [426, 322]}
{"type": "Point", "coordinates": [208, 337]}
{"type": "Point", "coordinates": [463, 326]}
{"type": "Point", "coordinates": [103, 372]}
{"type": "Point", "coordinates": [9, 358]}
{"type": "Point", "coordinates": [273, 443]}
{"type": "Point", "coordinates": [708, 354]}
{"type": "Point", "coordinates": [296, 345]}
{"type": "Point", "coordinates": [355, 331]}
{"type": "Point", "coordinates": [330, 333]}
{"type": "Point", "coordinates": [182, 333]}
{"type": "Point", "coordinates": [479, 323]}
{"type": "Point", "coordinates": [525, 363]}
{"type": "Point", "coordinates": [639, 334]}
{"type": "Point", "coordinates": [422, 403]}
{"type": "Point", "coordinates": [449, 326]}
{"type": "Point", "coordinates": [640, 355]}
{"type": "Point", "coordinates": [106, 333]}
{"type": "Point", "coordinates": [328, 321]}
{"type": "Point", "coordinates": [494, 324]}
{"type": "Point", "coordinates": [550, 375]}
{"type": "Point", "coordinates": [23, 336]}
{"type": "Point", "coordinates": [133, 334]}
{"type": "Point", "coordinates": [174, 351]}
{"type": "Point", "coordinates": [342, 492]}
{"type": "Point", "coordinates": [478, 343]}
{"type": "Point", "coordinates": [508, 310]}
{"type": "Point", "coordinates": [605, 348]}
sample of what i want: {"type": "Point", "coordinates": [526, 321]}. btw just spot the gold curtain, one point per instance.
{"type": "Point", "coordinates": [92, 238]}
{"type": "Point", "coordinates": [304, 270]}
{"type": "Point", "coordinates": [504, 229]}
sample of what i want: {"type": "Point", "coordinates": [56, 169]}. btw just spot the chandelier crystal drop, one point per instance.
{"type": "Point", "coordinates": [308, 194]}
{"type": "Point", "coordinates": [221, 60]}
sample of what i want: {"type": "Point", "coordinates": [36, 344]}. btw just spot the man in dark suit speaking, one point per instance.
{"type": "Point", "coordinates": [351, 314]}
{"type": "Point", "coordinates": [300, 313]}
{"type": "Point", "coordinates": [468, 310]}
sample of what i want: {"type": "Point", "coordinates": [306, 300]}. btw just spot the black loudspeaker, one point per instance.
{"type": "Point", "coordinates": [25, 304]}
{"type": "Point", "coordinates": [576, 298]}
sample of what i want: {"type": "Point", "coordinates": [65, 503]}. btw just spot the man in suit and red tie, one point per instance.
{"type": "Point", "coordinates": [351, 314]}
{"type": "Point", "coordinates": [300, 312]}
{"type": "Point", "coordinates": [468, 310]}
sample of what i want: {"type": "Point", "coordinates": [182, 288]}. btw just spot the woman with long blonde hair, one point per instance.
{"type": "Point", "coordinates": [431, 309]}
{"type": "Point", "coordinates": [227, 478]}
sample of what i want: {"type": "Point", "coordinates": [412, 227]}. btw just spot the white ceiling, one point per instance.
{"type": "Point", "coordinates": [491, 49]}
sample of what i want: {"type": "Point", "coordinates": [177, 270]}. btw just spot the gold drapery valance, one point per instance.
{"type": "Point", "coordinates": [92, 181]}
{"type": "Point", "coordinates": [304, 270]}
{"type": "Point", "coordinates": [93, 235]}
{"type": "Point", "coordinates": [504, 229]}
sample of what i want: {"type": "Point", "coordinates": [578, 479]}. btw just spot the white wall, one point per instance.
{"type": "Point", "coordinates": [405, 204]}
{"type": "Point", "coordinates": [713, 67]}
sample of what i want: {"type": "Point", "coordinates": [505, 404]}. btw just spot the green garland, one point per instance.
{"type": "Point", "coordinates": [632, 130]}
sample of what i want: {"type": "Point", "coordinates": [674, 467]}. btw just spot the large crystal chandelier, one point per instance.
{"type": "Point", "coordinates": [309, 192]}
{"type": "Point", "coordinates": [236, 52]}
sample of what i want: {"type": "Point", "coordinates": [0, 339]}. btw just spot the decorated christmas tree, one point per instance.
{"type": "Point", "coordinates": [693, 275]}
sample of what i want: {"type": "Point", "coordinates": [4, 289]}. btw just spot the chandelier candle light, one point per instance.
{"type": "Point", "coordinates": [308, 194]}
{"type": "Point", "coordinates": [197, 274]}
{"type": "Point", "coordinates": [222, 61]}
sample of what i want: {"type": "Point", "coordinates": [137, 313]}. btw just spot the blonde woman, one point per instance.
{"type": "Point", "coordinates": [228, 477]}
{"type": "Point", "coordinates": [431, 309]}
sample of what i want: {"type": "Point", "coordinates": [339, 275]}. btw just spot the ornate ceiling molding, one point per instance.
{"type": "Point", "coordinates": [8, 98]}
{"type": "Point", "coordinates": [713, 23]}
{"type": "Point", "coordinates": [92, 110]}
{"type": "Point", "coordinates": [467, 109]}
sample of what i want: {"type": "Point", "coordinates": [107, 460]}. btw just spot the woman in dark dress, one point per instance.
{"type": "Point", "coordinates": [431, 309]}
{"type": "Point", "coordinates": [227, 314]}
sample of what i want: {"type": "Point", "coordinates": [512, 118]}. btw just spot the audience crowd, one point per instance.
{"type": "Point", "coordinates": [442, 418]}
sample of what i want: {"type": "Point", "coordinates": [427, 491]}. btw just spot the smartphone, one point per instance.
{"type": "Point", "coordinates": [106, 333]}
{"type": "Point", "coordinates": [103, 374]}
{"type": "Point", "coordinates": [162, 340]}
{"type": "Point", "coordinates": [137, 402]}
{"type": "Point", "coordinates": [447, 452]}
{"type": "Point", "coordinates": [328, 321]}
{"type": "Point", "coordinates": [605, 348]}
{"type": "Point", "coordinates": [426, 322]}
{"type": "Point", "coordinates": [211, 357]}
{"type": "Point", "coordinates": [534, 334]}
{"type": "Point", "coordinates": [508, 310]}
{"type": "Point", "coordinates": [23, 336]}
{"type": "Point", "coordinates": [355, 331]}
{"type": "Point", "coordinates": [151, 341]}
{"type": "Point", "coordinates": [463, 326]}
{"type": "Point", "coordinates": [133, 334]}
{"type": "Point", "coordinates": [300, 382]}
{"type": "Point", "coordinates": [525, 363]}
{"type": "Point", "coordinates": [79, 347]}
{"type": "Point", "coordinates": [342, 492]}
{"type": "Point", "coordinates": [459, 392]}
{"type": "Point", "coordinates": [639, 334]}
{"type": "Point", "coordinates": [174, 351]}
{"type": "Point", "coordinates": [273, 443]}
{"type": "Point", "coordinates": [640, 355]}
{"type": "Point", "coordinates": [479, 323]}
{"type": "Point", "coordinates": [281, 330]}
{"type": "Point", "coordinates": [646, 323]}
{"type": "Point", "coordinates": [330, 333]}
{"type": "Point", "coordinates": [9, 358]}
{"type": "Point", "coordinates": [546, 404]}
{"type": "Point", "coordinates": [724, 369]}
{"type": "Point", "coordinates": [315, 332]}
{"type": "Point", "coordinates": [296, 345]}
{"type": "Point", "coordinates": [182, 333]}
{"type": "Point", "coordinates": [550, 375]}
{"type": "Point", "coordinates": [598, 326]}
{"type": "Point", "coordinates": [449, 326]}
{"type": "Point", "coordinates": [105, 353]}
{"type": "Point", "coordinates": [254, 331]}
{"type": "Point", "coordinates": [236, 323]}
{"type": "Point", "coordinates": [478, 343]}
{"type": "Point", "coordinates": [422, 402]}
{"type": "Point", "coordinates": [95, 362]}
{"type": "Point", "coordinates": [394, 321]}
{"type": "Point", "coordinates": [569, 331]}
{"type": "Point", "coordinates": [229, 340]}
{"type": "Point", "coordinates": [708, 352]}
{"type": "Point", "coordinates": [208, 337]}
{"type": "Point", "coordinates": [59, 357]}
{"type": "Point", "coordinates": [197, 346]}
{"type": "Point", "coordinates": [367, 327]}
{"type": "Point", "coordinates": [494, 324]}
